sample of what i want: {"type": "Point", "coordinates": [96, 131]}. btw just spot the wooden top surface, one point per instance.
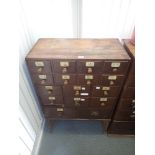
{"type": "Point", "coordinates": [129, 46]}
{"type": "Point", "coordinates": [78, 49]}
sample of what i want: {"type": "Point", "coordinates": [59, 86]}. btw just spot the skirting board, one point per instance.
{"type": "Point", "coordinates": [38, 138]}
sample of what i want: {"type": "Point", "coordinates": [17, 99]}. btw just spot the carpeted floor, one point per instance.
{"type": "Point", "coordinates": [83, 138]}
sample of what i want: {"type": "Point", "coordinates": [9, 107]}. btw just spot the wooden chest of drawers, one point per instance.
{"type": "Point", "coordinates": [78, 79]}
{"type": "Point", "coordinates": [124, 118]}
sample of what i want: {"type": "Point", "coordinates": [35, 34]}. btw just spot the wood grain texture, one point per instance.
{"type": "Point", "coordinates": [78, 48]}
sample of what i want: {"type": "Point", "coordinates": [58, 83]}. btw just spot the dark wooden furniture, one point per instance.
{"type": "Point", "coordinates": [124, 118]}
{"type": "Point", "coordinates": [78, 78]}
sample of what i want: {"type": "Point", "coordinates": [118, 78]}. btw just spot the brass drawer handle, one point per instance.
{"type": "Point", "coordinates": [64, 70]}
{"type": "Point", "coordinates": [105, 93]}
{"type": "Point", "coordinates": [111, 82]}
{"type": "Point", "coordinates": [114, 69]}
{"type": "Point", "coordinates": [102, 104]}
{"type": "Point", "coordinates": [94, 113]}
{"type": "Point", "coordinates": [88, 82]}
{"type": "Point", "coordinates": [51, 98]}
{"type": "Point", "coordinates": [90, 70]}
{"type": "Point", "coordinates": [60, 109]}
{"type": "Point", "coordinates": [49, 91]}
{"type": "Point", "coordinates": [65, 82]}
{"type": "Point", "coordinates": [40, 69]}
{"type": "Point", "coordinates": [77, 93]}
{"type": "Point", "coordinates": [43, 81]}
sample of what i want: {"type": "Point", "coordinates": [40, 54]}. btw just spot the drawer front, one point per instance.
{"type": "Point", "coordinates": [105, 91]}
{"type": "Point", "coordinates": [76, 101]}
{"type": "Point", "coordinates": [122, 128]}
{"type": "Point", "coordinates": [124, 115]}
{"type": "Point", "coordinates": [126, 104]}
{"type": "Point", "coordinates": [65, 79]}
{"type": "Point", "coordinates": [89, 67]}
{"type": "Point", "coordinates": [49, 90]}
{"type": "Point", "coordinates": [52, 100]}
{"type": "Point", "coordinates": [64, 66]}
{"type": "Point", "coordinates": [129, 92]}
{"type": "Point", "coordinates": [111, 80]}
{"type": "Point", "coordinates": [116, 67]}
{"type": "Point", "coordinates": [103, 102]}
{"type": "Point", "coordinates": [42, 79]}
{"type": "Point", "coordinates": [87, 79]}
{"type": "Point", "coordinates": [76, 90]}
{"type": "Point", "coordinates": [39, 66]}
{"type": "Point", "coordinates": [53, 112]}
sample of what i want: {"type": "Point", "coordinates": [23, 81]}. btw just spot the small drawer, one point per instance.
{"type": "Point", "coordinates": [87, 79]}
{"type": "Point", "coordinates": [100, 113]}
{"type": "Point", "coordinates": [103, 102]}
{"type": "Point", "coordinates": [65, 79]}
{"type": "Point", "coordinates": [42, 79]}
{"type": "Point", "coordinates": [39, 66]}
{"type": "Point", "coordinates": [129, 92]}
{"type": "Point", "coordinates": [64, 66]}
{"type": "Point", "coordinates": [89, 67]}
{"type": "Point", "coordinates": [121, 128]}
{"type": "Point", "coordinates": [126, 104]}
{"type": "Point", "coordinates": [76, 90]}
{"type": "Point", "coordinates": [51, 112]}
{"type": "Point", "coordinates": [49, 90]}
{"type": "Point", "coordinates": [111, 80]}
{"type": "Point", "coordinates": [125, 115]}
{"type": "Point", "coordinates": [116, 67]}
{"type": "Point", "coordinates": [105, 91]}
{"type": "Point", "coordinates": [76, 101]}
{"type": "Point", "coordinates": [52, 100]}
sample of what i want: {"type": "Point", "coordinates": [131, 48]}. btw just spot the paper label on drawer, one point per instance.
{"type": "Point", "coordinates": [105, 88]}
{"type": "Point", "coordinates": [82, 99]}
{"type": "Point", "coordinates": [42, 76]}
{"type": "Point", "coordinates": [64, 63]}
{"type": "Point", "coordinates": [51, 98]}
{"type": "Point", "coordinates": [112, 77]}
{"type": "Point", "coordinates": [49, 87]}
{"type": "Point", "coordinates": [80, 57]}
{"type": "Point", "coordinates": [98, 88]}
{"type": "Point", "coordinates": [115, 64]}
{"type": "Point", "coordinates": [103, 99]}
{"type": "Point", "coordinates": [84, 94]}
{"type": "Point", "coordinates": [77, 87]}
{"type": "Point", "coordinates": [90, 64]}
{"type": "Point", "coordinates": [39, 63]}
{"type": "Point", "coordinates": [60, 109]}
{"type": "Point", "coordinates": [88, 77]}
{"type": "Point", "coordinates": [65, 77]}
{"type": "Point", "coordinates": [83, 88]}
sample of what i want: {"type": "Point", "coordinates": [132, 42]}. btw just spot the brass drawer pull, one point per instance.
{"type": "Point", "coordinates": [64, 70]}
{"type": "Point", "coordinates": [51, 98]}
{"type": "Point", "coordinates": [90, 70]}
{"type": "Point", "coordinates": [43, 81]}
{"type": "Point", "coordinates": [94, 113]}
{"type": "Point", "coordinates": [39, 63]}
{"type": "Point", "coordinates": [111, 82]}
{"type": "Point", "coordinates": [65, 82]}
{"type": "Point", "coordinates": [114, 69]}
{"type": "Point", "coordinates": [77, 92]}
{"type": "Point", "coordinates": [40, 69]}
{"type": "Point", "coordinates": [88, 82]}
{"type": "Point", "coordinates": [115, 64]}
{"type": "Point", "coordinates": [102, 104]}
{"type": "Point", "coordinates": [49, 91]}
{"type": "Point", "coordinates": [105, 93]}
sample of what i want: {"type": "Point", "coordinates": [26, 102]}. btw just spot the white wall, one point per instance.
{"type": "Point", "coordinates": [30, 116]}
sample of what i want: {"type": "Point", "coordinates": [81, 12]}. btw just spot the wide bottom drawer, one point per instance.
{"type": "Point", "coordinates": [122, 128]}
{"type": "Point", "coordinates": [90, 113]}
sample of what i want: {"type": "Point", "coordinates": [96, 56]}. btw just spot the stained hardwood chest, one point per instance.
{"type": "Point", "coordinates": [78, 78]}
{"type": "Point", "coordinates": [124, 116]}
